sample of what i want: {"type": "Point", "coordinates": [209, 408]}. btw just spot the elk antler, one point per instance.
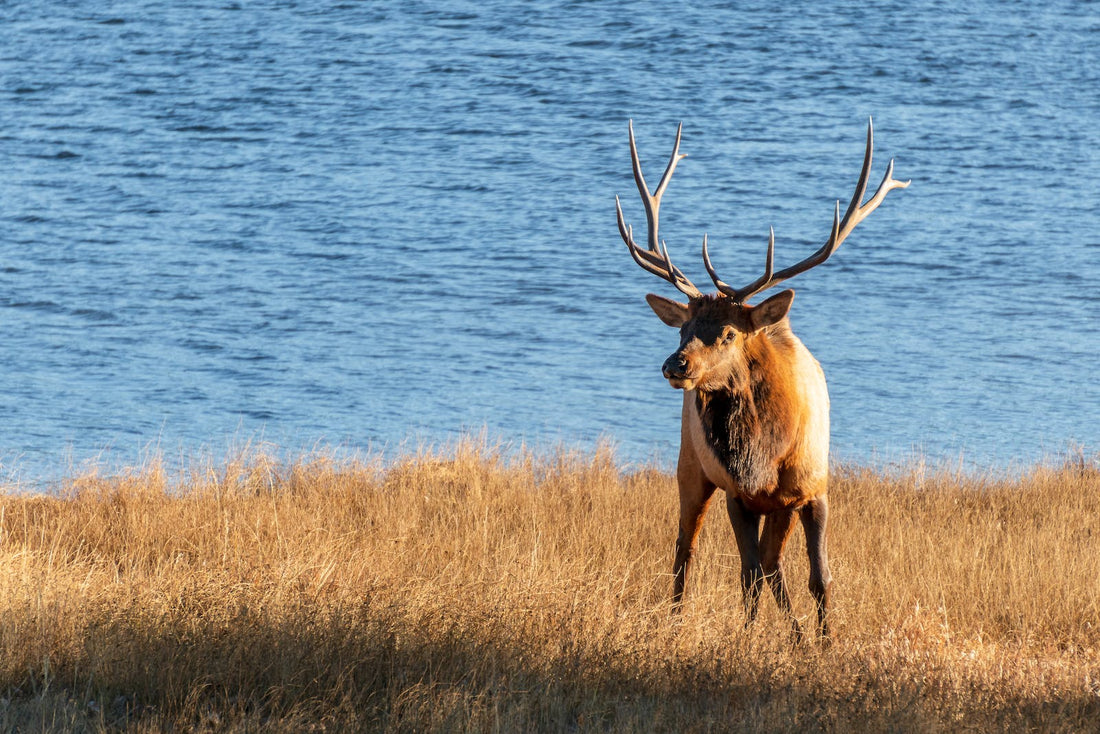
{"type": "Point", "coordinates": [655, 259]}
{"type": "Point", "coordinates": [856, 213]}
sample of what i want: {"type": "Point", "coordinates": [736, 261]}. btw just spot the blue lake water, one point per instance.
{"type": "Point", "coordinates": [364, 224]}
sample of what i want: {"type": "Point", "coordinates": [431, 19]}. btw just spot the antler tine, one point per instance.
{"type": "Point", "coordinates": [740, 295]}
{"type": "Point", "coordinates": [659, 264]}
{"type": "Point", "coordinates": [855, 213]}
{"type": "Point", "coordinates": [673, 159]}
{"type": "Point", "coordinates": [655, 259]}
{"type": "Point", "coordinates": [861, 185]}
{"type": "Point", "coordinates": [681, 282]}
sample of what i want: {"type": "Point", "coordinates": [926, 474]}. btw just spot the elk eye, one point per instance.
{"type": "Point", "coordinates": [728, 335]}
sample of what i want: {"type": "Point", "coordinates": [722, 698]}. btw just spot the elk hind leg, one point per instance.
{"type": "Point", "coordinates": [746, 529]}
{"type": "Point", "coordinates": [777, 529]}
{"type": "Point", "coordinates": [815, 516]}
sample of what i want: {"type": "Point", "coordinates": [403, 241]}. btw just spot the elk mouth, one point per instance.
{"type": "Point", "coordinates": [682, 383]}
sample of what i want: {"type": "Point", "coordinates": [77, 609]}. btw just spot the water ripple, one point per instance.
{"type": "Point", "coordinates": [354, 224]}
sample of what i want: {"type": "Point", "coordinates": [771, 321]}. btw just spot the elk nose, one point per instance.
{"type": "Point", "coordinates": [675, 366]}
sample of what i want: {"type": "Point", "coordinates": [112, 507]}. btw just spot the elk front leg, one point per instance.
{"type": "Point", "coordinates": [815, 516]}
{"type": "Point", "coordinates": [695, 495]}
{"type": "Point", "coordinates": [746, 529]}
{"type": "Point", "coordinates": [777, 529]}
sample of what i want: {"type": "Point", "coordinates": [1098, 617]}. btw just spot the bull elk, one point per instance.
{"type": "Point", "coordinates": [755, 418]}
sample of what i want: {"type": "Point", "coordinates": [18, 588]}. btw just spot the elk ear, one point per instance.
{"type": "Point", "coordinates": [672, 312]}
{"type": "Point", "coordinates": [772, 310]}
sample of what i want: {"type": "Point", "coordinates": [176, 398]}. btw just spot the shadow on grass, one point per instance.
{"type": "Point", "coordinates": [386, 669]}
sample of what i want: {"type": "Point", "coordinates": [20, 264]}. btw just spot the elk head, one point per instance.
{"type": "Point", "coordinates": [715, 329]}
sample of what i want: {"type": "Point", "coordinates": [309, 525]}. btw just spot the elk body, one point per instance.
{"type": "Point", "coordinates": [755, 418]}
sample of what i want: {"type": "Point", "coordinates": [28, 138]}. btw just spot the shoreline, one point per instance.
{"type": "Point", "coordinates": [182, 464]}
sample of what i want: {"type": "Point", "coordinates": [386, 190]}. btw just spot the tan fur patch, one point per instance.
{"type": "Point", "coordinates": [764, 434]}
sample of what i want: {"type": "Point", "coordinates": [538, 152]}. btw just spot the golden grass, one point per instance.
{"type": "Point", "coordinates": [474, 591]}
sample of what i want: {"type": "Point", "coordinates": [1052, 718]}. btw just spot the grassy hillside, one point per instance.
{"type": "Point", "coordinates": [468, 591]}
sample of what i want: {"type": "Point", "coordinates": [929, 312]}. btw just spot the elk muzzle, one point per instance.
{"type": "Point", "coordinates": [677, 371]}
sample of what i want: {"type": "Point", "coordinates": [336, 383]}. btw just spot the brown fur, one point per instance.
{"type": "Point", "coordinates": [755, 424]}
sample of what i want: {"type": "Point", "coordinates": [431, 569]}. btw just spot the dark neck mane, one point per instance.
{"type": "Point", "coordinates": [742, 424]}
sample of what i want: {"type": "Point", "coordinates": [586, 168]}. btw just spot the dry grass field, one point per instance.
{"type": "Point", "coordinates": [474, 590]}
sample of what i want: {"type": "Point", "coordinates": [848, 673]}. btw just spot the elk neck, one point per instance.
{"type": "Point", "coordinates": [745, 420]}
